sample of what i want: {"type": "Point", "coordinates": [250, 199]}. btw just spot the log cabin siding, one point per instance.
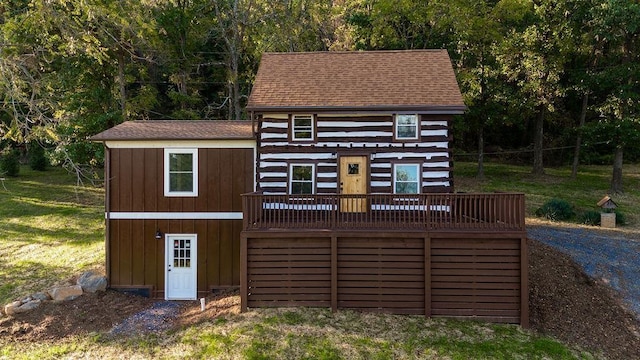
{"type": "Point", "coordinates": [370, 135]}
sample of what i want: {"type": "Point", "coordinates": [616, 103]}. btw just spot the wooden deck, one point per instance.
{"type": "Point", "coordinates": [494, 212]}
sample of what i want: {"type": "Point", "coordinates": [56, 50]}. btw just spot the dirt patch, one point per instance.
{"type": "Point", "coordinates": [570, 306]}
{"type": "Point", "coordinates": [564, 303]}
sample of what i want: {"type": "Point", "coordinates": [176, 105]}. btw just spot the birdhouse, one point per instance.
{"type": "Point", "coordinates": [607, 204]}
{"type": "Point", "coordinates": [607, 217]}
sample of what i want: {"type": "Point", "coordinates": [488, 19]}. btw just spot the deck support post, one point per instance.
{"type": "Point", "coordinates": [334, 272]}
{"type": "Point", "coordinates": [524, 283]}
{"type": "Point", "coordinates": [244, 285]}
{"type": "Point", "coordinates": [427, 276]}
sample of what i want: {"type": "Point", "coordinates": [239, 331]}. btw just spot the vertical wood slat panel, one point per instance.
{"type": "Point", "coordinates": [461, 277]}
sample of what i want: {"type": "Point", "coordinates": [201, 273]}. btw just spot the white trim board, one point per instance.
{"type": "Point", "coordinates": [119, 215]}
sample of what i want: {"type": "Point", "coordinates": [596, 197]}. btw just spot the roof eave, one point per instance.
{"type": "Point", "coordinates": [419, 109]}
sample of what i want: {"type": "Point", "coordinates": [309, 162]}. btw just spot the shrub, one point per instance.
{"type": "Point", "coordinates": [590, 217]}
{"type": "Point", "coordinates": [556, 210]}
{"type": "Point", "coordinates": [37, 159]}
{"type": "Point", "coordinates": [9, 163]}
{"type": "Point", "coordinates": [621, 219]}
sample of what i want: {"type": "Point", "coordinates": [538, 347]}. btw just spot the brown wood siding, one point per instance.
{"type": "Point", "coordinates": [381, 275]}
{"type": "Point", "coordinates": [286, 273]}
{"type": "Point", "coordinates": [137, 257]}
{"type": "Point", "coordinates": [447, 274]}
{"type": "Point", "coordinates": [352, 134]}
{"type": "Point", "coordinates": [477, 278]}
{"type": "Point", "coordinates": [137, 183]}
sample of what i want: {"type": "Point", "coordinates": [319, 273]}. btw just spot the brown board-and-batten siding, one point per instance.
{"type": "Point", "coordinates": [445, 274]}
{"type": "Point", "coordinates": [137, 208]}
{"type": "Point", "coordinates": [370, 135]}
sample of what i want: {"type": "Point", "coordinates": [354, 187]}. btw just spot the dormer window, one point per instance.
{"type": "Point", "coordinates": [302, 128]}
{"type": "Point", "coordinates": [406, 127]}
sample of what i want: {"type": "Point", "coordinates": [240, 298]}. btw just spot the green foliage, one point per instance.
{"type": "Point", "coordinates": [621, 218]}
{"type": "Point", "coordinates": [590, 217]}
{"type": "Point", "coordinates": [556, 210]}
{"type": "Point", "coordinates": [37, 159]}
{"type": "Point", "coordinates": [10, 163]}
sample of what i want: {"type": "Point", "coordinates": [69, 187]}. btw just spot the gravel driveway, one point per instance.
{"type": "Point", "coordinates": [612, 257]}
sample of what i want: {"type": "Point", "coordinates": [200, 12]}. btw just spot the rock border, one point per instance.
{"type": "Point", "coordinates": [88, 282]}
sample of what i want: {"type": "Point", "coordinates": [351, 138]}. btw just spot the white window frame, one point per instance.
{"type": "Point", "coordinates": [313, 178]}
{"type": "Point", "coordinates": [418, 173]}
{"type": "Point", "coordinates": [311, 129]}
{"type": "Point", "coordinates": [397, 125]}
{"type": "Point", "coordinates": [194, 159]}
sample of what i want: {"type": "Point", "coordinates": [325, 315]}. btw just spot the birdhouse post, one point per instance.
{"type": "Point", "coordinates": [607, 215]}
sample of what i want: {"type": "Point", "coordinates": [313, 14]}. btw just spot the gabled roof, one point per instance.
{"type": "Point", "coordinates": [412, 80]}
{"type": "Point", "coordinates": [178, 130]}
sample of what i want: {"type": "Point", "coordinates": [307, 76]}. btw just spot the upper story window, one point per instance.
{"type": "Point", "coordinates": [302, 128]}
{"type": "Point", "coordinates": [406, 179]}
{"type": "Point", "coordinates": [407, 127]}
{"type": "Point", "coordinates": [301, 178]}
{"type": "Point", "coordinates": [180, 172]}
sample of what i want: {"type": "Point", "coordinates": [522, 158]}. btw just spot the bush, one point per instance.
{"type": "Point", "coordinates": [621, 219]}
{"type": "Point", "coordinates": [9, 163]}
{"type": "Point", "coordinates": [556, 210]}
{"type": "Point", "coordinates": [590, 217]}
{"type": "Point", "coordinates": [37, 159]}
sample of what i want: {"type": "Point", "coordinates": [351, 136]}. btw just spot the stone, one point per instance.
{"type": "Point", "coordinates": [65, 293]}
{"type": "Point", "coordinates": [42, 296]}
{"type": "Point", "coordinates": [10, 308]}
{"type": "Point", "coordinates": [92, 282]}
{"type": "Point", "coordinates": [28, 306]}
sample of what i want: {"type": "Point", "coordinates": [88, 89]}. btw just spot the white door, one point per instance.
{"type": "Point", "coordinates": [181, 270]}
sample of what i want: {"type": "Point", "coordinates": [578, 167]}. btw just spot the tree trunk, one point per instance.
{"type": "Point", "coordinates": [122, 85]}
{"type": "Point", "coordinates": [480, 174]}
{"type": "Point", "coordinates": [616, 179]}
{"type": "Point", "coordinates": [576, 153]}
{"type": "Point", "coordinates": [538, 168]}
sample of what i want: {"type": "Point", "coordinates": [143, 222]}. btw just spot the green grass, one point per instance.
{"type": "Point", "coordinates": [591, 184]}
{"type": "Point", "coordinates": [50, 230]}
{"type": "Point", "coordinates": [316, 334]}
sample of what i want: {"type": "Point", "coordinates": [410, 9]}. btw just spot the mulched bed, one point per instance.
{"type": "Point", "coordinates": [564, 303]}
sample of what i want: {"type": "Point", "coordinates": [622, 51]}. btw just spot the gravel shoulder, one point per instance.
{"type": "Point", "coordinates": [607, 256]}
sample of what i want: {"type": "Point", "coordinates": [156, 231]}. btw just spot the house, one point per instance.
{"type": "Point", "coordinates": [355, 204]}
{"type": "Point", "coordinates": [173, 205]}
{"type": "Point", "coordinates": [338, 193]}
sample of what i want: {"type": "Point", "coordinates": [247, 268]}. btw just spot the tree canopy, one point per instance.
{"type": "Point", "coordinates": [535, 74]}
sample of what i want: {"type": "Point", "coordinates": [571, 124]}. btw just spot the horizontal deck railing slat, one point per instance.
{"type": "Point", "coordinates": [486, 211]}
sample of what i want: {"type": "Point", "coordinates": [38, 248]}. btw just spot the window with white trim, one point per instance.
{"type": "Point", "coordinates": [180, 172]}
{"type": "Point", "coordinates": [302, 127]}
{"type": "Point", "coordinates": [406, 179]}
{"type": "Point", "coordinates": [407, 127]}
{"type": "Point", "coordinates": [301, 178]}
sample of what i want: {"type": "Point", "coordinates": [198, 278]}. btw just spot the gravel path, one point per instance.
{"type": "Point", "coordinates": [155, 319]}
{"type": "Point", "coordinates": [609, 256]}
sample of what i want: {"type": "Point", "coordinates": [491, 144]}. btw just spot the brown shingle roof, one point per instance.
{"type": "Point", "coordinates": [391, 80]}
{"type": "Point", "coordinates": [178, 130]}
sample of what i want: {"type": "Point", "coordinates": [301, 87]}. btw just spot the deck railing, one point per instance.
{"type": "Point", "coordinates": [456, 211]}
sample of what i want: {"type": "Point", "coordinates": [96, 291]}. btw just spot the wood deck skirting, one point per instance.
{"type": "Point", "coordinates": [449, 255]}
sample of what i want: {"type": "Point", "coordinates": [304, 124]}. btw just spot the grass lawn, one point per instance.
{"type": "Point", "coordinates": [51, 230]}
{"type": "Point", "coordinates": [314, 334]}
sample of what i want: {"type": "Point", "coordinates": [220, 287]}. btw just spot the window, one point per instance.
{"type": "Point", "coordinates": [302, 127]}
{"type": "Point", "coordinates": [180, 172]}
{"type": "Point", "coordinates": [301, 179]}
{"type": "Point", "coordinates": [406, 179]}
{"type": "Point", "coordinates": [407, 127]}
